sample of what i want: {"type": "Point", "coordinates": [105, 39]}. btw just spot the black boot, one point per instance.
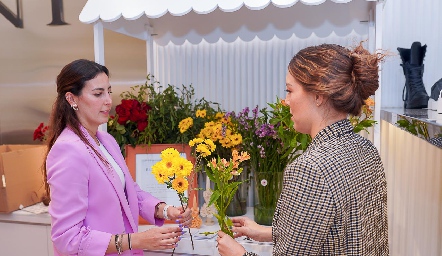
{"type": "Point", "coordinates": [412, 64]}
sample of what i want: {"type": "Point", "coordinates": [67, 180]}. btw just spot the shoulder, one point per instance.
{"type": "Point", "coordinates": [68, 144]}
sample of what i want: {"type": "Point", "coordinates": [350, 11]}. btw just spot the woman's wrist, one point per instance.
{"type": "Point", "coordinates": [159, 210]}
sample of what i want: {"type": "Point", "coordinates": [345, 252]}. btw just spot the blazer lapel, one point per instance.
{"type": "Point", "coordinates": [112, 175]}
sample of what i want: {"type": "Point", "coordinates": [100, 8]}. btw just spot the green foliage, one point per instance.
{"type": "Point", "coordinates": [415, 127]}
{"type": "Point", "coordinates": [269, 137]}
{"type": "Point", "coordinates": [165, 107]}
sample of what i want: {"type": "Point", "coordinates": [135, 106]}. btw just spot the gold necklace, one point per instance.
{"type": "Point", "coordinates": [93, 136]}
{"type": "Point", "coordinates": [97, 140]}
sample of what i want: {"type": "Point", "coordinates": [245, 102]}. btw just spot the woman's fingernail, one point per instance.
{"type": "Point", "coordinates": [180, 225]}
{"type": "Point", "coordinates": [177, 221]}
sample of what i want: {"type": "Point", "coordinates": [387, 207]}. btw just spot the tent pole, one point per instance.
{"type": "Point", "coordinates": [378, 94]}
{"type": "Point", "coordinates": [149, 50]}
{"type": "Point", "coordinates": [99, 53]}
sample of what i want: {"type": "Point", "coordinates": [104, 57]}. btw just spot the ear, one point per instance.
{"type": "Point", "coordinates": [319, 99]}
{"type": "Point", "coordinates": [70, 97]}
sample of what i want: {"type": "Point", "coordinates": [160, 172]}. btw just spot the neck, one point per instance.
{"type": "Point", "coordinates": [93, 134]}
{"type": "Point", "coordinates": [326, 122]}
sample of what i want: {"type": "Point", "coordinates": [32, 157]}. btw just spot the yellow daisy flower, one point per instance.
{"type": "Point", "coordinates": [183, 167]}
{"type": "Point", "coordinates": [236, 139]}
{"type": "Point", "coordinates": [185, 124]}
{"type": "Point", "coordinates": [201, 113]}
{"type": "Point", "coordinates": [180, 184]}
{"type": "Point", "coordinates": [210, 143]}
{"type": "Point", "coordinates": [160, 173]}
{"type": "Point", "coordinates": [203, 149]}
{"type": "Point", "coordinates": [169, 153]}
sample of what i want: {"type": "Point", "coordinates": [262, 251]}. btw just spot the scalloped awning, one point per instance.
{"type": "Point", "coordinates": [111, 10]}
{"type": "Point", "coordinates": [179, 20]}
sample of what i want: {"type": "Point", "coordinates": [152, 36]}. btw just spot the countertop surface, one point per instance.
{"type": "Point", "coordinates": [204, 245]}
{"type": "Point", "coordinates": [423, 123]}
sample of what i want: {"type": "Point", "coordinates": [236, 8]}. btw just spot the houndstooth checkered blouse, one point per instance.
{"type": "Point", "coordinates": [334, 199]}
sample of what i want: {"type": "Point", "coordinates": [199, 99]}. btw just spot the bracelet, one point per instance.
{"type": "Point", "coordinates": [128, 241]}
{"type": "Point", "coordinates": [157, 207]}
{"type": "Point", "coordinates": [165, 212]}
{"type": "Point", "coordinates": [120, 243]}
{"type": "Point", "coordinates": [116, 242]}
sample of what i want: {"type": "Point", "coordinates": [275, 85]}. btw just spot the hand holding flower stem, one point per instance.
{"type": "Point", "coordinates": [173, 171]}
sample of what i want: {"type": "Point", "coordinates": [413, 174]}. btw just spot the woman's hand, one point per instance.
{"type": "Point", "coordinates": [180, 216]}
{"type": "Point", "coordinates": [243, 226]}
{"type": "Point", "coordinates": [228, 246]}
{"type": "Point", "coordinates": [158, 238]}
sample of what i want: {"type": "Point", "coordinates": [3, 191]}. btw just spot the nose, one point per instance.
{"type": "Point", "coordinates": [108, 100]}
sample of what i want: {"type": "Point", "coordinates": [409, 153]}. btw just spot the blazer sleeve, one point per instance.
{"type": "Point", "coordinates": [68, 165]}
{"type": "Point", "coordinates": [146, 204]}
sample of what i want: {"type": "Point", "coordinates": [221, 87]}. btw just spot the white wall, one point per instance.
{"type": "Point", "coordinates": [407, 21]}
{"type": "Point", "coordinates": [240, 59]}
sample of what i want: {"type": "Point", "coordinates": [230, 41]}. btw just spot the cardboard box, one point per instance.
{"type": "Point", "coordinates": [21, 176]}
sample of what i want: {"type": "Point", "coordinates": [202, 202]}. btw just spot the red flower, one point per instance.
{"type": "Point", "coordinates": [134, 111]}
{"type": "Point", "coordinates": [141, 125]}
{"type": "Point", "coordinates": [40, 132]}
{"type": "Point", "coordinates": [124, 110]}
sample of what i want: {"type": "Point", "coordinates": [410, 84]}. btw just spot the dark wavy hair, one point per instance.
{"type": "Point", "coordinates": [72, 78]}
{"type": "Point", "coordinates": [346, 77]}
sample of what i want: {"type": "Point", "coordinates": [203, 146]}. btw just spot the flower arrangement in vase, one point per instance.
{"type": "Point", "coordinates": [221, 172]}
{"type": "Point", "coordinates": [219, 128]}
{"type": "Point", "coordinates": [273, 143]}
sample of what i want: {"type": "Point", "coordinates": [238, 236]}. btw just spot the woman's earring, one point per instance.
{"type": "Point", "coordinates": [74, 106]}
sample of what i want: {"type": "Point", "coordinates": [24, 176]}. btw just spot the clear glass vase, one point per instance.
{"type": "Point", "coordinates": [268, 186]}
{"type": "Point", "coordinates": [238, 205]}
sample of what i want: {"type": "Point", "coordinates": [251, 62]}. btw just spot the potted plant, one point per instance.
{"type": "Point", "coordinates": [150, 114]}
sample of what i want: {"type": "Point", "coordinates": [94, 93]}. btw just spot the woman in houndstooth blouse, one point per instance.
{"type": "Point", "coordinates": [334, 197]}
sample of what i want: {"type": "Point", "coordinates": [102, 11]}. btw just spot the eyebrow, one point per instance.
{"type": "Point", "coordinates": [101, 89]}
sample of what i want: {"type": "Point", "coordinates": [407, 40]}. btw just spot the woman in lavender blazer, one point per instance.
{"type": "Point", "coordinates": [94, 202]}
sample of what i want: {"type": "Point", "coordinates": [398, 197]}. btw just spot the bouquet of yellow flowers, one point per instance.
{"type": "Point", "coordinates": [174, 170]}
{"type": "Point", "coordinates": [215, 126]}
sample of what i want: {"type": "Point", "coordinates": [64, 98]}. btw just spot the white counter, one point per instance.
{"type": "Point", "coordinates": [34, 230]}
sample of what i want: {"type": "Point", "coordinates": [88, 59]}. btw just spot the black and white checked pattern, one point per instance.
{"type": "Point", "coordinates": [334, 199]}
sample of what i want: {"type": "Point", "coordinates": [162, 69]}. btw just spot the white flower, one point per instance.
{"type": "Point", "coordinates": [263, 182]}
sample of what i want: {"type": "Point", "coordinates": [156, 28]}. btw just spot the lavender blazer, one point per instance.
{"type": "Point", "coordinates": [88, 202]}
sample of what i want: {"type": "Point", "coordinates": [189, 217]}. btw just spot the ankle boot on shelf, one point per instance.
{"type": "Point", "coordinates": [414, 94]}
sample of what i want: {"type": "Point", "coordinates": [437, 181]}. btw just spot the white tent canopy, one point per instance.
{"type": "Point", "coordinates": [233, 52]}
{"type": "Point", "coordinates": [177, 21]}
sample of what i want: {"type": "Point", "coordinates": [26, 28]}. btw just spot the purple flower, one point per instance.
{"type": "Point", "coordinates": [262, 152]}
{"type": "Point", "coordinates": [255, 112]}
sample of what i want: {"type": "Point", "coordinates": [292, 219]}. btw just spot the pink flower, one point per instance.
{"type": "Point", "coordinates": [263, 182]}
